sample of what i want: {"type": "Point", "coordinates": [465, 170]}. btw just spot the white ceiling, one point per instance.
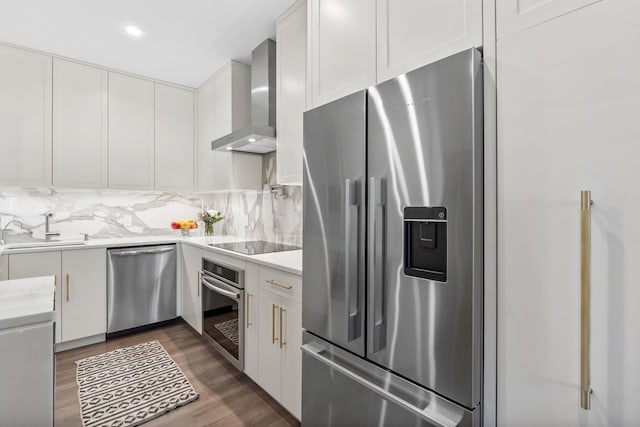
{"type": "Point", "coordinates": [185, 41]}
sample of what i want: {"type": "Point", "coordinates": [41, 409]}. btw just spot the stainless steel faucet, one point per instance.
{"type": "Point", "coordinates": [48, 234]}
{"type": "Point", "coordinates": [4, 230]}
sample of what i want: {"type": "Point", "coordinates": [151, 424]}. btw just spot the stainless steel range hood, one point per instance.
{"type": "Point", "coordinates": [260, 136]}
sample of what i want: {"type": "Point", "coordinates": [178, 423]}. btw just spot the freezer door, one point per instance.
{"type": "Point", "coordinates": [424, 265]}
{"type": "Point", "coordinates": [334, 221]}
{"type": "Point", "coordinates": [340, 389]}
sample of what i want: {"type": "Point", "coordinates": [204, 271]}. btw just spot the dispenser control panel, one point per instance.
{"type": "Point", "coordinates": [425, 242]}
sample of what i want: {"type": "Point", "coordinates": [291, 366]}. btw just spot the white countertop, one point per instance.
{"type": "Point", "coordinates": [26, 301]}
{"type": "Point", "coordinates": [290, 261]}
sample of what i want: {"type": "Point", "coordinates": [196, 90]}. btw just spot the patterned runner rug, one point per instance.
{"type": "Point", "coordinates": [229, 328]}
{"type": "Point", "coordinates": [130, 386]}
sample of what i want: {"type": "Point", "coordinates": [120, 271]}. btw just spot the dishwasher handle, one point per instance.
{"type": "Point", "coordinates": [141, 252]}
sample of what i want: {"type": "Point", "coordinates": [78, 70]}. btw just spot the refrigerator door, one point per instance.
{"type": "Point", "coordinates": [334, 221]}
{"type": "Point", "coordinates": [424, 266]}
{"type": "Point", "coordinates": [340, 389]}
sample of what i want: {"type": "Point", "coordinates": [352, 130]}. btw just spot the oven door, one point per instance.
{"type": "Point", "coordinates": [222, 318]}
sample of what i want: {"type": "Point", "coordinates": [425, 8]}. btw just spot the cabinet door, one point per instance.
{"type": "Point", "coordinates": [341, 49]}
{"type": "Point", "coordinates": [40, 264]}
{"type": "Point", "coordinates": [566, 123]}
{"type": "Point", "coordinates": [25, 118]}
{"type": "Point", "coordinates": [173, 139]}
{"type": "Point", "coordinates": [190, 299]}
{"type": "Point", "coordinates": [516, 15]}
{"type": "Point", "coordinates": [4, 267]}
{"type": "Point", "coordinates": [292, 357]}
{"type": "Point", "coordinates": [291, 32]}
{"type": "Point", "coordinates": [84, 293]}
{"type": "Point", "coordinates": [413, 33]}
{"type": "Point", "coordinates": [131, 133]}
{"type": "Point", "coordinates": [80, 120]}
{"type": "Point", "coordinates": [269, 372]}
{"type": "Point", "coordinates": [205, 158]}
{"type": "Point", "coordinates": [222, 125]}
{"type": "Point", "coordinates": [251, 297]}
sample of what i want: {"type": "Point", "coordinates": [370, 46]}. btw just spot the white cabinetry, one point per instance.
{"type": "Point", "coordinates": [291, 32]}
{"type": "Point", "coordinates": [4, 267]}
{"type": "Point", "coordinates": [84, 293]}
{"type": "Point", "coordinates": [40, 264]}
{"type": "Point", "coordinates": [341, 50]}
{"type": "Point", "coordinates": [515, 15]}
{"type": "Point", "coordinates": [413, 33]}
{"type": "Point", "coordinates": [81, 288]}
{"type": "Point", "coordinates": [131, 133]}
{"type": "Point", "coordinates": [173, 138]}
{"type": "Point", "coordinates": [224, 105]}
{"type": "Point", "coordinates": [568, 101]}
{"type": "Point", "coordinates": [25, 118]}
{"type": "Point", "coordinates": [80, 125]}
{"type": "Point", "coordinates": [190, 266]}
{"type": "Point", "coordinates": [280, 337]}
{"type": "Point", "coordinates": [251, 296]}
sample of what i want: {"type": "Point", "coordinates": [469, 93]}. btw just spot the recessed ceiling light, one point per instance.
{"type": "Point", "coordinates": [229, 148]}
{"type": "Point", "coordinates": [134, 31]}
{"type": "Point", "coordinates": [251, 140]}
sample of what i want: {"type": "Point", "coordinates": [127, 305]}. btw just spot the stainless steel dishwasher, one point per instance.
{"type": "Point", "coordinates": [141, 286]}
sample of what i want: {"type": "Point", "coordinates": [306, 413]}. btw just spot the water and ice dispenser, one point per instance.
{"type": "Point", "coordinates": [425, 242]}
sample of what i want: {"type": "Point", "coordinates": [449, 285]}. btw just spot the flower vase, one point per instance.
{"type": "Point", "coordinates": [208, 229]}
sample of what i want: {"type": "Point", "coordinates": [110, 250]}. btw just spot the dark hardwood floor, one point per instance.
{"type": "Point", "coordinates": [227, 397]}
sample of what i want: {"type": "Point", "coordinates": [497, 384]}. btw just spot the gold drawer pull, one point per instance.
{"type": "Point", "coordinates": [282, 341]}
{"type": "Point", "coordinates": [67, 287]}
{"type": "Point", "coordinates": [585, 299]}
{"type": "Point", "coordinates": [249, 324]}
{"type": "Point", "coordinates": [273, 282]}
{"type": "Point", "coordinates": [273, 324]}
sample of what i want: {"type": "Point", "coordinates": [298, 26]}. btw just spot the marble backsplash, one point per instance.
{"type": "Point", "coordinates": [255, 215]}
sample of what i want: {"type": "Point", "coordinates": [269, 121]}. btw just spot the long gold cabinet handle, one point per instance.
{"type": "Point", "coordinates": [585, 299]}
{"type": "Point", "coordinates": [249, 324]}
{"type": "Point", "coordinates": [67, 287]}
{"type": "Point", "coordinates": [199, 281]}
{"type": "Point", "coordinates": [273, 324]}
{"type": "Point", "coordinates": [273, 282]}
{"type": "Point", "coordinates": [282, 341]}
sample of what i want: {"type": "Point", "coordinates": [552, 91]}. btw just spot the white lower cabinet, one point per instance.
{"type": "Point", "coordinates": [81, 288]}
{"type": "Point", "coordinates": [279, 341]}
{"type": "Point", "coordinates": [251, 298]}
{"type": "Point", "coordinates": [189, 266]}
{"type": "Point", "coordinates": [4, 267]}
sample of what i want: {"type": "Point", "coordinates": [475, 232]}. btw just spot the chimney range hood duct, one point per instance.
{"type": "Point", "coordinates": [260, 136]}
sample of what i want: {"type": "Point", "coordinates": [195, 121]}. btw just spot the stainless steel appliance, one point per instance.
{"type": "Point", "coordinates": [223, 309]}
{"type": "Point", "coordinates": [255, 247]}
{"type": "Point", "coordinates": [141, 286]}
{"type": "Point", "coordinates": [260, 136]}
{"type": "Point", "coordinates": [392, 261]}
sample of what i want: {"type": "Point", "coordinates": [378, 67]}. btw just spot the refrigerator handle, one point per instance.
{"type": "Point", "coordinates": [351, 285]}
{"type": "Point", "coordinates": [429, 413]}
{"type": "Point", "coordinates": [376, 263]}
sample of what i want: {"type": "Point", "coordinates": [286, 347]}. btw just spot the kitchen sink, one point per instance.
{"type": "Point", "coordinates": [28, 245]}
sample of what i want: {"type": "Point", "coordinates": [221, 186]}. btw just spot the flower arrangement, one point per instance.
{"type": "Point", "coordinates": [209, 217]}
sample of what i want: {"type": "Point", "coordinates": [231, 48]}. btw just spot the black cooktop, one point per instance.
{"type": "Point", "coordinates": [254, 247]}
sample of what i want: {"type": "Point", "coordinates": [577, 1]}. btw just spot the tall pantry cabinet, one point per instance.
{"type": "Point", "coordinates": [568, 101]}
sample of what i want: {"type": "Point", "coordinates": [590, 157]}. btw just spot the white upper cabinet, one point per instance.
{"type": "Point", "coordinates": [80, 125]}
{"type": "Point", "coordinates": [223, 106]}
{"type": "Point", "coordinates": [341, 48]}
{"type": "Point", "coordinates": [413, 33]}
{"type": "Point", "coordinates": [205, 158]}
{"type": "Point", "coordinates": [25, 118]}
{"type": "Point", "coordinates": [131, 133]}
{"type": "Point", "coordinates": [173, 139]}
{"type": "Point", "coordinates": [291, 32]}
{"type": "Point", "coordinates": [516, 15]}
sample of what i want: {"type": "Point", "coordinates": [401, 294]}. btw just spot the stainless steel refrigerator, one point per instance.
{"type": "Point", "coordinates": [392, 261]}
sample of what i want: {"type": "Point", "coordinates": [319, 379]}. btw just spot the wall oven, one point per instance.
{"type": "Point", "coordinates": [223, 309]}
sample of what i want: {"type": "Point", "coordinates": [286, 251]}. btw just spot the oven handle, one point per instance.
{"type": "Point", "coordinates": [221, 288]}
